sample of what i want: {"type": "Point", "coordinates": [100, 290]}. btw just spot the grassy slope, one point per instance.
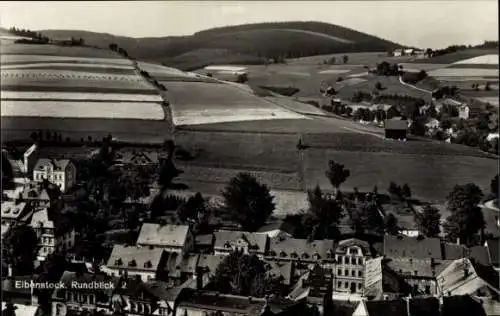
{"type": "Point", "coordinates": [457, 56]}
{"type": "Point", "coordinates": [241, 43]}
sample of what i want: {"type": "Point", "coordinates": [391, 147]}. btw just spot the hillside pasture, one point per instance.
{"type": "Point", "coordinates": [127, 130]}
{"type": "Point", "coordinates": [77, 68]}
{"type": "Point", "coordinates": [491, 59]}
{"type": "Point", "coordinates": [56, 50]}
{"type": "Point", "coordinates": [88, 109]}
{"type": "Point", "coordinates": [431, 177]}
{"type": "Point", "coordinates": [367, 58]}
{"type": "Point", "coordinates": [458, 56]}
{"type": "Point", "coordinates": [41, 95]}
{"type": "Point", "coordinates": [296, 106]}
{"type": "Point", "coordinates": [466, 73]}
{"type": "Point", "coordinates": [204, 103]}
{"type": "Point", "coordinates": [34, 59]}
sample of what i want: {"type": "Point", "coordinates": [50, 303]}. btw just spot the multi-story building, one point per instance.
{"type": "Point", "coordinates": [350, 256]}
{"type": "Point", "coordinates": [172, 238]}
{"type": "Point", "coordinates": [61, 172]}
{"type": "Point", "coordinates": [53, 235]}
{"type": "Point", "coordinates": [136, 261]}
{"type": "Point", "coordinates": [306, 254]}
{"type": "Point", "coordinates": [227, 241]}
{"type": "Point", "coordinates": [83, 292]}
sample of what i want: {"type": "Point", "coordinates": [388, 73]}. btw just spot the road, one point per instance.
{"type": "Point", "coordinates": [412, 86]}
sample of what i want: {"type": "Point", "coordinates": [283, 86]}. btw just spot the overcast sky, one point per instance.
{"type": "Point", "coordinates": [418, 23]}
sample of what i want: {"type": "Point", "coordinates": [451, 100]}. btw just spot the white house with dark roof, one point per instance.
{"type": "Point", "coordinates": [172, 238]}
{"type": "Point", "coordinates": [144, 262]}
{"type": "Point", "coordinates": [350, 255]}
{"type": "Point", "coordinates": [227, 241]}
{"type": "Point", "coordinates": [61, 172]}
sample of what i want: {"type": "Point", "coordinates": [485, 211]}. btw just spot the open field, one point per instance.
{"type": "Point", "coordinates": [56, 50]}
{"type": "Point", "coordinates": [484, 59]}
{"type": "Point", "coordinates": [33, 95]}
{"type": "Point", "coordinates": [296, 106]}
{"type": "Point", "coordinates": [424, 67]}
{"type": "Point", "coordinates": [137, 131]}
{"type": "Point", "coordinates": [87, 109]}
{"type": "Point", "coordinates": [458, 56]}
{"type": "Point", "coordinates": [464, 73]}
{"type": "Point", "coordinates": [369, 59]}
{"type": "Point", "coordinates": [34, 59]}
{"type": "Point", "coordinates": [51, 65]}
{"type": "Point", "coordinates": [204, 103]}
{"type": "Point", "coordinates": [82, 68]}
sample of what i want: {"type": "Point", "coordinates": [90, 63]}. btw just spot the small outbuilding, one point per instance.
{"type": "Point", "coordinates": [396, 128]}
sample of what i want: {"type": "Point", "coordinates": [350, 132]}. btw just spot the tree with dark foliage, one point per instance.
{"type": "Point", "coordinates": [395, 190]}
{"type": "Point", "coordinates": [192, 209]}
{"type": "Point", "coordinates": [429, 221]}
{"type": "Point", "coordinates": [494, 186]}
{"type": "Point", "coordinates": [248, 202]}
{"type": "Point", "coordinates": [406, 191]}
{"type": "Point", "coordinates": [466, 218]}
{"type": "Point", "coordinates": [323, 217]}
{"type": "Point", "coordinates": [391, 224]}
{"type": "Point", "coordinates": [337, 174]}
{"type": "Point", "coordinates": [20, 249]}
{"type": "Point", "coordinates": [242, 274]}
{"type": "Point", "coordinates": [366, 217]}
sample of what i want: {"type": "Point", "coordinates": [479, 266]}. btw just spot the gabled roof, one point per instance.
{"type": "Point", "coordinates": [57, 164]}
{"type": "Point", "coordinates": [287, 247]}
{"type": "Point", "coordinates": [68, 277]}
{"type": "Point", "coordinates": [385, 308]}
{"type": "Point", "coordinates": [396, 124]}
{"type": "Point", "coordinates": [225, 238]}
{"type": "Point", "coordinates": [163, 235]}
{"type": "Point", "coordinates": [12, 210]}
{"type": "Point", "coordinates": [344, 244]}
{"type": "Point", "coordinates": [493, 249]}
{"type": "Point", "coordinates": [419, 268]}
{"type": "Point", "coordinates": [280, 269]}
{"type": "Point", "coordinates": [210, 262]}
{"type": "Point", "coordinates": [221, 302]}
{"type": "Point", "coordinates": [41, 218]}
{"type": "Point", "coordinates": [135, 257]}
{"type": "Point", "coordinates": [412, 247]}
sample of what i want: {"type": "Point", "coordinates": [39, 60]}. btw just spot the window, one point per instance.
{"type": "Point", "coordinates": [360, 285]}
{"type": "Point", "coordinates": [339, 272]}
{"type": "Point", "coordinates": [339, 284]}
{"type": "Point", "coordinates": [353, 273]}
{"type": "Point", "coordinates": [360, 273]}
{"type": "Point", "coordinates": [346, 272]}
{"type": "Point", "coordinates": [346, 285]}
{"type": "Point", "coordinates": [339, 259]}
{"type": "Point", "coordinates": [427, 289]}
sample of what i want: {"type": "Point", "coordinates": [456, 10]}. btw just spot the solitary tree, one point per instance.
{"type": "Point", "coordinates": [429, 221]}
{"type": "Point", "coordinates": [466, 218]}
{"type": "Point", "coordinates": [248, 202]}
{"type": "Point", "coordinates": [337, 174]}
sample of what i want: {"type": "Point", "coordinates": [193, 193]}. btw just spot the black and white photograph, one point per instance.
{"type": "Point", "coordinates": [250, 158]}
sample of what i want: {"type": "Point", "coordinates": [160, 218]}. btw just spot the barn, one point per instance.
{"type": "Point", "coordinates": [396, 128]}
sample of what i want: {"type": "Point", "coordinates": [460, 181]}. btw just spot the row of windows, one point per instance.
{"type": "Point", "coordinates": [140, 308]}
{"type": "Point", "coordinates": [40, 176]}
{"type": "Point", "coordinates": [352, 285]}
{"type": "Point", "coordinates": [353, 273]}
{"type": "Point", "coordinates": [148, 278]}
{"type": "Point", "coordinates": [47, 240]}
{"type": "Point", "coordinates": [80, 297]}
{"type": "Point", "coordinates": [350, 260]}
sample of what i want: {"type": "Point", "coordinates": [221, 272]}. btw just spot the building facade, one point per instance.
{"type": "Point", "coordinates": [60, 172]}
{"type": "Point", "coordinates": [350, 257]}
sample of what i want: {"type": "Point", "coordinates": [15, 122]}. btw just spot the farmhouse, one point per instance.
{"type": "Point", "coordinates": [396, 128]}
{"type": "Point", "coordinates": [134, 261]}
{"type": "Point", "coordinates": [398, 52]}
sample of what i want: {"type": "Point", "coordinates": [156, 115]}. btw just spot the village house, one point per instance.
{"type": "Point", "coordinates": [389, 111]}
{"type": "Point", "coordinates": [382, 283]}
{"type": "Point", "coordinates": [134, 297]}
{"type": "Point", "coordinates": [463, 277]}
{"type": "Point", "coordinates": [314, 284]}
{"type": "Point", "coordinates": [227, 241]}
{"type": "Point", "coordinates": [397, 52]}
{"type": "Point", "coordinates": [172, 238]}
{"type": "Point", "coordinates": [179, 268]}
{"type": "Point", "coordinates": [15, 212]}
{"type": "Point", "coordinates": [396, 128]}
{"type": "Point", "coordinates": [208, 263]}
{"type": "Point", "coordinates": [273, 230]}
{"type": "Point", "coordinates": [204, 243]}
{"type": "Point", "coordinates": [282, 270]}
{"type": "Point", "coordinates": [21, 166]}
{"type": "Point", "coordinates": [412, 247]}
{"type": "Point", "coordinates": [135, 261]}
{"type": "Point", "coordinates": [71, 299]}
{"type": "Point", "coordinates": [53, 233]}
{"type": "Point", "coordinates": [419, 274]}
{"type": "Point", "coordinates": [305, 253]}
{"type": "Point", "coordinates": [400, 307]}
{"type": "Point", "coordinates": [61, 172]}
{"type": "Point", "coordinates": [350, 257]}
{"type": "Point", "coordinates": [464, 111]}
